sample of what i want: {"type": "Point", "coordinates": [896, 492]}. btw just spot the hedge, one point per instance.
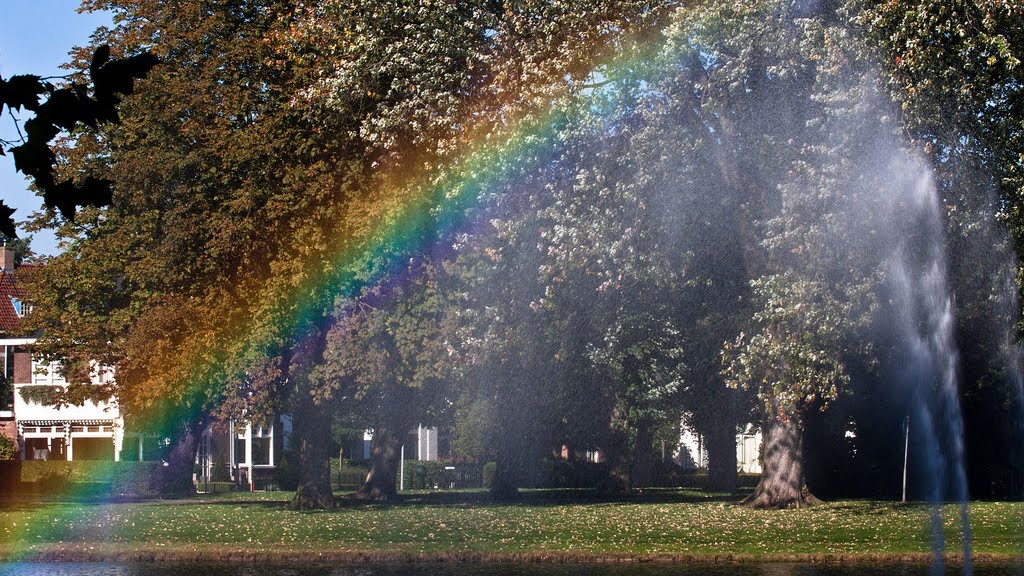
{"type": "Point", "coordinates": [349, 474]}
{"type": "Point", "coordinates": [87, 478]}
{"type": "Point", "coordinates": [490, 475]}
{"type": "Point", "coordinates": [219, 487]}
{"type": "Point", "coordinates": [443, 475]}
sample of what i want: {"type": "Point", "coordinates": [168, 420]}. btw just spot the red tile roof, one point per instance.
{"type": "Point", "coordinates": [11, 287]}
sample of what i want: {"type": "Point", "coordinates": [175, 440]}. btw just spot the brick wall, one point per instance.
{"type": "Point", "coordinates": [9, 429]}
{"type": "Point", "coordinates": [22, 367]}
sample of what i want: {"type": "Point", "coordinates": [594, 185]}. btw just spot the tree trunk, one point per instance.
{"type": "Point", "coordinates": [174, 479]}
{"type": "Point", "coordinates": [641, 469]}
{"type": "Point", "coordinates": [506, 479]}
{"type": "Point", "coordinates": [616, 456]}
{"type": "Point", "coordinates": [311, 420]}
{"type": "Point", "coordinates": [311, 426]}
{"type": "Point", "coordinates": [386, 452]}
{"type": "Point", "coordinates": [616, 453]}
{"type": "Point", "coordinates": [782, 482]}
{"type": "Point", "coordinates": [722, 463]}
{"type": "Point", "coordinates": [513, 432]}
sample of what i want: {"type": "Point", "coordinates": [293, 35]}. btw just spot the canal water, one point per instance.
{"type": "Point", "coordinates": [768, 569]}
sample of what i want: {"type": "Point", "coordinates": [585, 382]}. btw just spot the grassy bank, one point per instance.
{"type": "Point", "coordinates": [666, 525]}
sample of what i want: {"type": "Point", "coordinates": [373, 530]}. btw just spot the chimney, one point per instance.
{"type": "Point", "coordinates": [6, 258]}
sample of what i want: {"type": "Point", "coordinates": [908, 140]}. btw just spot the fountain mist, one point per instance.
{"type": "Point", "coordinates": [924, 305]}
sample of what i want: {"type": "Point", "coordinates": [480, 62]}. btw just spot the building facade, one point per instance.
{"type": "Point", "coordinates": [692, 453]}
{"type": "Point", "coordinates": [41, 431]}
{"type": "Point", "coordinates": [92, 431]}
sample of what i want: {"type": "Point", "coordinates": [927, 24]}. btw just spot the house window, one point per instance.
{"type": "Point", "coordinates": [19, 308]}
{"type": "Point", "coordinates": [261, 450]}
{"type": "Point", "coordinates": [240, 451]}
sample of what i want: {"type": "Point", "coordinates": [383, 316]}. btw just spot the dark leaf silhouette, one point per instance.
{"type": "Point", "coordinates": [118, 76]}
{"type": "Point", "coordinates": [22, 91]}
{"type": "Point", "coordinates": [94, 192]}
{"type": "Point", "coordinates": [62, 197]}
{"type": "Point", "coordinates": [40, 130]}
{"type": "Point", "coordinates": [33, 159]}
{"type": "Point", "coordinates": [63, 110]}
{"type": "Point", "coordinates": [7, 220]}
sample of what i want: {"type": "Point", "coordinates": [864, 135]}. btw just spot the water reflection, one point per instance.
{"type": "Point", "coordinates": [773, 569]}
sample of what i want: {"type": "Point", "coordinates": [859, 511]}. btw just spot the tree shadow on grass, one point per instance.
{"type": "Point", "coordinates": [869, 507]}
{"type": "Point", "coordinates": [438, 498]}
{"type": "Point", "coordinates": [549, 497]}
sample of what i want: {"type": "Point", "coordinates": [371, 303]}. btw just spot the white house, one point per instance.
{"type": "Point", "coordinates": [92, 431]}
{"type": "Point", "coordinates": [420, 443]}
{"type": "Point", "coordinates": [242, 453]}
{"type": "Point", "coordinates": [693, 451]}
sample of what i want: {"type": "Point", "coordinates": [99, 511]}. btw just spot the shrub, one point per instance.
{"type": "Point", "coordinates": [576, 474]}
{"type": "Point", "coordinates": [134, 479]}
{"type": "Point", "coordinates": [8, 450]}
{"type": "Point", "coordinates": [490, 474]}
{"type": "Point", "coordinates": [286, 474]}
{"type": "Point", "coordinates": [426, 475]}
{"type": "Point", "coordinates": [91, 478]}
{"type": "Point", "coordinates": [350, 474]}
{"type": "Point", "coordinates": [221, 487]}
{"type": "Point", "coordinates": [219, 472]}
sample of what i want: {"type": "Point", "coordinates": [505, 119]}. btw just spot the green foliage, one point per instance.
{"type": "Point", "coordinates": [6, 393]}
{"type": "Point", "coordinates": [471, 422]}
{"type": "Point", "coordinates": [286, 474]}
{"type": "Point", "coordinates": [41, 394]}
{"type": "Point", "coordinates": [22, 248]}
{"type": "Point", "coordinates": [220, 472]}
{"type": "Point", "coordinates": [349, 475]}
{"type": "Point", "coordinates": [421, 475]}
{"type": "Point", "coordinates": [490, 474]}
{"type": "Point", "coordinates": [49, 395]}
{"type": "Point", "coordinates": [955, 70]}
{"type": "Point", "coordinates": [620, 209]}
{"type": "Point", "coordinates": [91, 479]}
{"type": "Point", "coordinates": [8, 449]}
{"type": "Point", "coordinates": [795, 357]}
{"type": "Point", "coordinates": [437, 474]}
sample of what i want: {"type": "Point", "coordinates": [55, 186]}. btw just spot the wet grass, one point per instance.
{"type": "Point", "coordinates": [566, 524]}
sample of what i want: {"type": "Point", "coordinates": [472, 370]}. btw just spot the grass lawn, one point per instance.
{"type": "Point", "coordinates": [671, 524]}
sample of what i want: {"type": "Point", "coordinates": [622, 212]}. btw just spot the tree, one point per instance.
{"type": "Point", "coordinates": [779, 85]}
{"type": "Point", "coordinates": [794, 358]}
{"type": "Point", "coordinates": [192, 225]}
{"type": "Point", "coordinates": [389, 364]}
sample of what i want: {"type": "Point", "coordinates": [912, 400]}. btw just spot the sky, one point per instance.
{"type": "Point", "coordinates": [35, 38]}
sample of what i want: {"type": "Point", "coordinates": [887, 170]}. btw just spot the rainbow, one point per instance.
{"type": "Point", "coordinates": [436, 206]}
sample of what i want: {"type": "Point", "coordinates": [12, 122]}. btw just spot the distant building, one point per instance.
{"type": "Point", "coordinates": [241, 453]}
{"type": "Point", "coordinates": [421, 443]}
{"type": "Point", "coordinates": [693, 452]}
{"type": "Point", "coordinates": [92, 431]}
